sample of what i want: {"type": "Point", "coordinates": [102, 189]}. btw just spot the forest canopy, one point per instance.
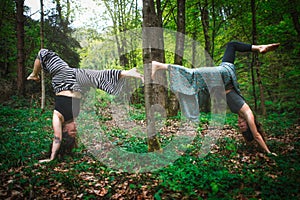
{"type": "Point", "coordinates": [209, 23]}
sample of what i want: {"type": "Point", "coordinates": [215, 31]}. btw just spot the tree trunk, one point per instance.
{"type": "Point", "coordinates": [180, 35]}
{"type": "Point", "coordinates": [254, 55]}
{"type": "Point", "coordinates": [118, 15]}
{"type": "Point", "coordinates": [42, 46]}
{"type": "Point", "coordinates": [205, 102]}
{"type": "Point", "coordinates": [205, 24]}
{"type": "Point", "coordinates": [122, 29]}
{"type": "Point", "coordinates": [173, 105]}
{"type": "Point", "coordinates": [68, 11]}
{"type": "Point", "coordinates": [214, 32]}
{"type": "Point", "coordinates": [152, 50]}
{"type": "Point", "coordinates": [261, 89]}
{"type": "Point", "coordinates": [295, 16]}
{"type": "Point", "coordinates": [194, 49]}
{"type": "Point", "coordinates": [20, 47]}
{"type": "Point", "coordinates": [194, 36]}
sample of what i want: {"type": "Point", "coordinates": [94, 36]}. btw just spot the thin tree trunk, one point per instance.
{"type": "Point", "coordinates": [213, 31]}
{"type": "Point", "coordinates": [20, 46]}
{"type": "Point", "coordinates": [118, 15]}
{"type": "Point", "coordinates": [59, 10]}
{"type": "Point", "coordinates": [261, 89]}
{"type": "Point", "coordinates": [160, 96]}
{"type": "Point", "coordinates": [42, 46]}
{"type": "Point", "coordinates": [68, 12]}
{"type": "Point", "coordinates": [122, 29]}
{"type": "Point", "coordinates": [180, 36]}
{"type": "Point", "coordinates": [194, 44]}
{"type": "Point", "coordinates": [295, 16]}
{"type": "Point", "coordinates": [173, 105]}
{"type": "Point", "coordinates": [194, 49]}
{"type": "Point", "coordinates": [205, 24]}
{"type": "Point", "coordinates": [254, 55]}
{"type": "Point", "coordinates": [253, 80]}
{"type": "Point", "coordinates": [205, 105]}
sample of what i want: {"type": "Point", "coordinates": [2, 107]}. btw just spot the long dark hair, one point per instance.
{"type": "Point", "coordinates": [248, 135]}
{"type": "Point", "coordinates": [66, 146]}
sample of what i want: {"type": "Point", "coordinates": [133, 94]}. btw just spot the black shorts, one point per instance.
{"type": "Point", "coordinates": [67, 106]}
{"type": "Point", "coordinates": [234, 101]}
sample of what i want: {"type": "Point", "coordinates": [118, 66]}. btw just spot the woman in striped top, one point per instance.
{"type": "Point", "coordinates": [189, 82]}
{"type": "Point", "coordinates": [69, 84]}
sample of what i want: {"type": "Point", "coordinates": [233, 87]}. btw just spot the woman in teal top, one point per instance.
{"type": "Point", "coordinates": [189, 82]}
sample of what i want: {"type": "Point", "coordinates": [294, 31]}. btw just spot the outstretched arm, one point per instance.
{"type": "Point", "coordinates": [36, 71]}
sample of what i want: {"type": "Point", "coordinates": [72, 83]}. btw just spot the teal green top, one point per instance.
{"type": "Point", "coordinates": [192, 81]}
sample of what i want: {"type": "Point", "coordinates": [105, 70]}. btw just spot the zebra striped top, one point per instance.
{"type": "Point", "coordinates": [80, 80]}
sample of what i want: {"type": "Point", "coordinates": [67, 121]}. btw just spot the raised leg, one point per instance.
{"type": "Point", "coordinates": [34, 76]}
{"type": "Point", "coordinates": [232, 47]}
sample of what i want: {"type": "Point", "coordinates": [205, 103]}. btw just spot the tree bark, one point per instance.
{"type": "Point", "coordinates": [118, 15]}
{"type": "Point", "coordinates": [180, 35]}
{"type": "Point", "coordinates": [255, 64]}
{"type": "Point", "coordinates": [254, 55]}
{"type": "Point", "coordinates": [205, 102]}
{"type": "Point", "coordinates": [261, 89]}
{"type": "Point", "coordinates": [205, 24]}
{"type": "Point", "coordinates": [173, 105]}
{"type": "Point", "coordinates": [152, 50]}
{"type": "Point", "coordinates": [20, 47]}
{"type": "Point", "coordinates": [63, 22]}
{"type": "Point", "coordinates": [295, 16]}
{"type": "Point", "coordinates": [43, 98]}
{"type": "Point", "coordinates": [214, 31]}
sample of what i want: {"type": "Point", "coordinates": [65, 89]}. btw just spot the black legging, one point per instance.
{"type": "Point", "coordinates": [232, 47]}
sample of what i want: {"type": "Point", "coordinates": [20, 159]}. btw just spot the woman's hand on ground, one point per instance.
{"type": "Point", "coordinates": [45, 161]}
{"type": "Point", "coordinates": [272, 154]}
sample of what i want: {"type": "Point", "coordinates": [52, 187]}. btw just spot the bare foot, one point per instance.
{"type": "Point", "coordinates": [157, 66]}
{"type": "Point", "coordinates": [134, 73]}
{"type": "Point", "coordinates": [268, 47]}
{"type": "Point", "coordinates": [153, 69]}
{"type": "Point", "coordinates": [33, 77]}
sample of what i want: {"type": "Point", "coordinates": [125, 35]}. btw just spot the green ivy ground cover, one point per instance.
{"type": "Point", "coordinates": [231, 171]}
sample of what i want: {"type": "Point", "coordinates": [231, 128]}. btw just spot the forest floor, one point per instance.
{"type": "Point", "coordinates": [231, 169]}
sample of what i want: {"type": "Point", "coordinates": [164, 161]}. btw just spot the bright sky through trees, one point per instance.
{"type": "Point", "coordinates": [88, 13]}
